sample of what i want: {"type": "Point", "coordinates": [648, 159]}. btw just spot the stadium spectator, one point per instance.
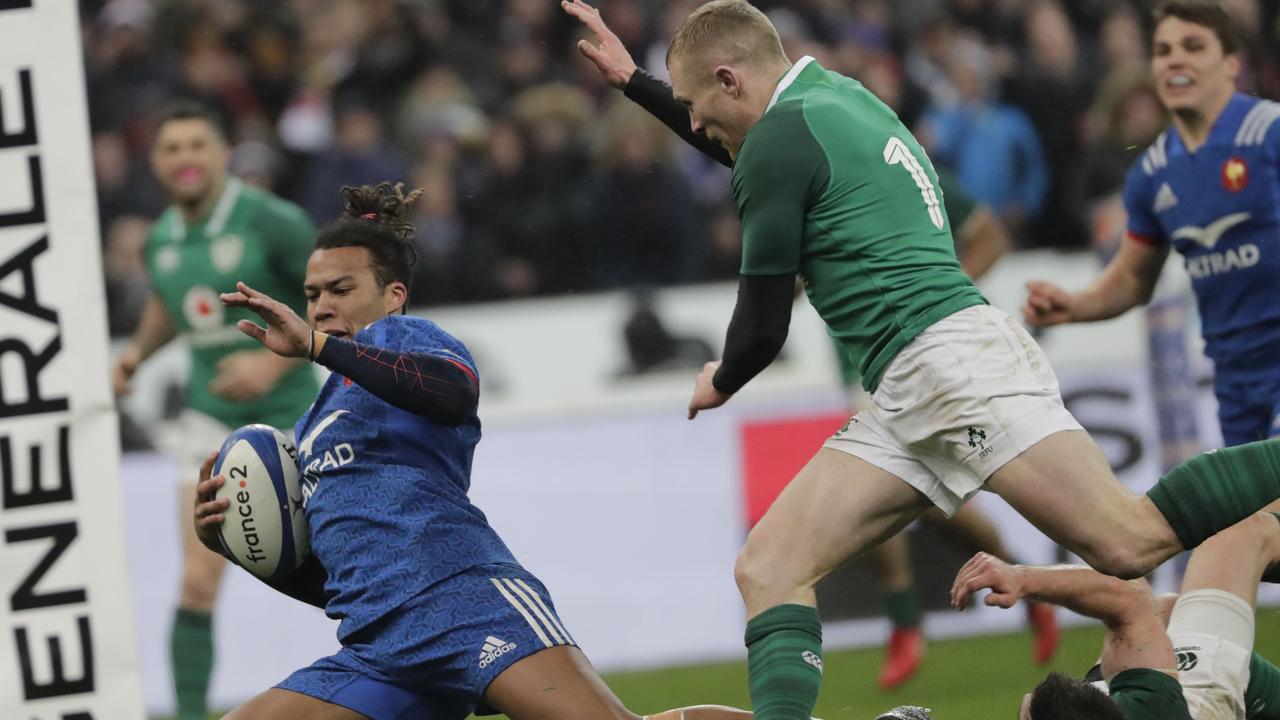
{"type": "Point", "coordinates": [1053, 85]}
{"type": "Point", "coordinates": [359, 154]}
{"type": "Point", "coordinates": [991, 145]}
{"type": "Point", "coordinates": [641, 207]}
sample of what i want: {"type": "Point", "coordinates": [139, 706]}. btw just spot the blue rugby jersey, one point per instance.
{"type": "Point", "coordinates": [385, 491]}
{"type": "Point", "coordinates": [1220, 208]}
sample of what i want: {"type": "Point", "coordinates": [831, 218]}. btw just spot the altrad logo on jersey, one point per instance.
{"type": "Point", "coordinates": [1217, 263]}
{"type": "Point", "coordinates": [335, 457]}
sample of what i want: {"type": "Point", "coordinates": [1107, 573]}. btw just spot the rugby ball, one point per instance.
{"type": "Point", "coordinates": [264, 530]}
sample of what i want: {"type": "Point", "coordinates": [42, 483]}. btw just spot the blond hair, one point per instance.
{"type": "Point", "coordinates": [728, 32]}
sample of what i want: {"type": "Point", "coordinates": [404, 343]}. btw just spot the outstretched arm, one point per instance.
{"type": "Point", "coordinates": [154, 330]}
{"type": "Point", "coordinates": [619, 70]}
{"type": "Point", "coordinates": [1128, 281]}
{"type": "Point", "coordinates": [1135, 635]}
{"type": "Point", "coordinates": [441, 388]}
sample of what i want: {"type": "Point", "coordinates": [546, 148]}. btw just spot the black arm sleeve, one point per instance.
{"type": "Point", "coordinates": [758, 329]}
{"type": "Point", "coordinates": [437, 388]}
{"type": "Point", "coordinates": [305, 584]}
{"type": "Point", "coordinates": [657, 99]}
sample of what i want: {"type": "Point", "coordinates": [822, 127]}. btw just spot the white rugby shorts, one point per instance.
{"type": "Point", "coordinates": [966, 396]}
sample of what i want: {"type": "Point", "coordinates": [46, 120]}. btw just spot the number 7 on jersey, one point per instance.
{"type": "Point", "coordinates": [897, 153]}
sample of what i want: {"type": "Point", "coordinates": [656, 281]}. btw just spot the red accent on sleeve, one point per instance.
{"type": "Point", "coordinates": [463, 367]}
{"type": "Point", "coordinates": [1144, 239]}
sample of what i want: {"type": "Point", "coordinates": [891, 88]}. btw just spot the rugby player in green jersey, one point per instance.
{"type": "Point", "coordinates": [216, 231]}
{"type": "Point", "coordinates": [980, 240]}
{"type": "Point", "coordinates": [1201, 665]}
{"type": "Point", "coordinates": [832, 187]}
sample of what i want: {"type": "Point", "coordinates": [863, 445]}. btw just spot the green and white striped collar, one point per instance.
{"type": "Point", "coordinates": [217, 219]}
{"type": "Point", "coordinates": [787, 79]}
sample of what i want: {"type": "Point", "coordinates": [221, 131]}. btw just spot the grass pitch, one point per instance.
{"type": "Point", "coordinates": [976, 678]}
{"type": "Point", "coordinates": [965, 679]}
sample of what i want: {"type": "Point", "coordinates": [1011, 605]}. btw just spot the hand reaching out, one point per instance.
{"type": "Point", "coordinates": [987, 572]}
{"type": "Point", "coordinates": [610, 57]}
{"type": "Point", "coordinates": [1047, 304]}
{"type": "Point", "coordinates": [286, 334]}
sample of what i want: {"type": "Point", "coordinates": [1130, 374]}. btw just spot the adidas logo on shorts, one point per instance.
{"type": "Point", "coordinates": [493, 649]}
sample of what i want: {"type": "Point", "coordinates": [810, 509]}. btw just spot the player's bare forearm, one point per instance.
{"type": "Point", "coordinates": [1128, 281]}
{"type": "Point", "coordinates": [1083, 590]}
{"type": "Point", "coordinates": [155, 329]}
{"type": "Point", "coordinates": [1075, 587]}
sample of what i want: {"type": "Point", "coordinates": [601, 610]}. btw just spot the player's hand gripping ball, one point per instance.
{"type": "Point", "coordinates": [264, 530]}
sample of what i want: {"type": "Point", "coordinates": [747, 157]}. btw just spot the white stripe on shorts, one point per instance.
{"type": "Point", "coordinates": [533, 607]}
{"type": "Point", "coordinates": [521, 609]}
{"type": "Point", "coordinates": [538, 599]}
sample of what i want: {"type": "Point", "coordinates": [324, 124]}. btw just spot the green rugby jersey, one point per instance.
{"type": "Point", "coordinates": [1146, 694]}
{"type": "Point", "coordinates": [831, 185]}
{"type": "Point", "coordinates": [960, 206]}
{"type": "Point", "coordinates": [253, 236]}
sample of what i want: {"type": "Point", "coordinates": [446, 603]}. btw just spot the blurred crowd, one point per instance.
{"type": "Point", "coordinates": [540, 179]}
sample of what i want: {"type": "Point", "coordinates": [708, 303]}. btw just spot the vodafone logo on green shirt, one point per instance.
{"type": "Point", "coordinates": [201, 308]}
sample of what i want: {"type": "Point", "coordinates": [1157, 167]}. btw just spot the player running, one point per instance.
{"type": "Point", "coordinates": [216, 231]}
{"type": "Point", "coordinates": [831, 186]}
{"type": "Point", "coordinates": [1207, 187]}
{"type": "Point", "coordinates": [1202, 666]}
{"type": "Point", "coordinates": [437, 618]}
{"type": "Point", "coordinates": [980, 240]}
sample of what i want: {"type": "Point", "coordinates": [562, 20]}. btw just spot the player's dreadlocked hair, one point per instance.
{"type": "Point", "coordinates": [374, 217]}
{"type": "Point", "coordinates": [1059, 697]}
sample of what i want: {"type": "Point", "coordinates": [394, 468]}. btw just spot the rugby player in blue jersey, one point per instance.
{"type": "Point", "coordinates": [437, 618]}
{"type": "Point", "coordinates": [1209, 187]}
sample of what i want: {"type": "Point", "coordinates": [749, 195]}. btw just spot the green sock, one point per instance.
{"type": "Point", "coordinates": [191, 648]}
{"type": "Point", "coordinates": [784, 662]}
{"type": "Point", "coordinates": [1215, 490]}
{"type": "Point", "coordinates": [1262, 697]}
{"type": "Point", "coordinates": [904, 608]}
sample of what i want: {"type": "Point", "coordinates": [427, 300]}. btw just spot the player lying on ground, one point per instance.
{"type": "Point", "coordinates": [1202, 666]}
{"type": "Point", "coordinates": [437, 618]}
{"type": "Point", "coordinates": [831, 186]}
{"type": "Point", "coordinates": [980, 240]}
